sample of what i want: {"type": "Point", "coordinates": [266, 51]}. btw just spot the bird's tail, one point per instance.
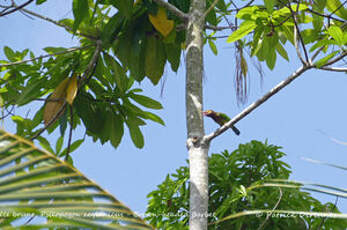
{"type": "Point", "coordinates": [236, 130]}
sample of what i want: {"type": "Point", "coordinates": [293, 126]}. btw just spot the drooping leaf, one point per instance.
{"type": "Point", "coordinates": [160, 22]}
{"type": "Point", "coordinates": [173, 52]}
{"type": "Point", "coordinates": [73, 147]}
{"type": "Point", "coordinates": [213, 47]}
{"type": "Point", "coordinates": [154, 59]}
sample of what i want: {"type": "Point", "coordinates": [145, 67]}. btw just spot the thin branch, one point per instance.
{"type": "Point", "coordinates": [324, 15]}
{"type": "Point", "coordinates": [58, 24]}
{"type": "Point", "coordinates": [219, 28]}
{"type": "Point", "coordinates": [210, 8]}
{"type": "Point", "coordinates": [334, 69]}
{"type": "Point", "coordinates": [274, 208]}
{"type": "Point", "coordinates": [92, 63]}
{"type": "Point", "coordinates": [338, 58]}
{"type": "Point", "coordinates": [172, 9]}
{"type": "Point", "coordinates": [44, 56]}
{"type": "Point", "coordinates": [256, 104]}
{"type": "Point", "coordinates": [297, 32]}
{"type": "Point", "coordinates": [15, 8]}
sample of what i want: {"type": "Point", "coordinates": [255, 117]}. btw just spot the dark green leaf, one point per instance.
{"type": "Point", "coordinates": [112, 27]}
{"type": "Point", "coordinates": [269, 4]}
{"type": "Point", "coordinates": [117, 130]}
{"type": "Point", "coordinates": [155, 59]}
{"type": "Point", "coordinates": [173, 52]}
{"type": "Point", "coordinates": [80, 9]}
{"type": "Point", "coordinates": [38, 2]}
{"type": "Point", "coordinates": [125, 7]}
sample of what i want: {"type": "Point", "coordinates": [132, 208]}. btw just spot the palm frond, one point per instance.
{"type": "Point", "coordinates": [36, 184]}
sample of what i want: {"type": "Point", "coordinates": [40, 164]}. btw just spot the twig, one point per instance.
{"type": "Point", "coordinates": [274, 208]}
{"type": "Point", "coordinates": [58, 24]}
{"type": "Point", "coordinates": [324, 15]}
{"type": "Point", "coordinates": [172, 9]}
{"type": "Point", "coordinates": [44, 56]}
{"type": "Point", "coordinates": [15, 8]}
{"type": "Point", "coordinates": [338, 58]}
{"type": "Point", "coordinates": [297, 33]}
{"type": "Point", "coordinates": [210, 8]}
{"type": "Point", "coordinates": [334, 69]}
{"type": "Point", "coordinates": [91, 64]}
{"type": "Point", "coordinates": [219, 28]}
{"type": "Point", "coordinates": [256, 104]}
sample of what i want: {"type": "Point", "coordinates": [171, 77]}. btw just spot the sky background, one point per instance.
{"type": "Point", "coordinates": [301, 118]}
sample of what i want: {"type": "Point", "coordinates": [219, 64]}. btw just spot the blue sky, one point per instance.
{"type": "Point", "coordinates": [294, 118]}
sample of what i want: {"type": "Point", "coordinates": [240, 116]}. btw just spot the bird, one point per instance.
{"type": "Point", "coordinates": [220, 118]}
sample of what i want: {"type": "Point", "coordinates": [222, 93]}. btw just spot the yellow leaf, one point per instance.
{"type": "Point", "coordinates": [161, 23]}
{"type": "Point", "coordinates": [55, 102]}
{"type": "Point", "coordinates": [71, 91]}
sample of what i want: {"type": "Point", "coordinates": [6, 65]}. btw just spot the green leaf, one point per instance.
{"type": "Point", "coordinates": [154, 117]}
{"type": "Point", "coordinates": [269, 4]}
{"type": "Point", "coordinates": [80, 9]}
{"type": "Point", "coordinates": [136, 135]}
{"type": "Point", "coordinates": [337, 34]}
{"type": "Point", "coordinates": [10, 54]}
{"type": "Point", "coordinates": [333, 5]}
{"type": "Point", "coordinates": [280, 49]}
{"type": "Point", "coordinates": [146, 101]}
{"type": "Point", "coordinates": [59, 144]}
{"type": "Point", "coordinates": [125, 7]}
{"type": "Point", "coordinates": [271, 59]}
{"type": "Point", "coordinates": [321, 62]}
{"type": "Point", "coordinates": [119, 73]}
{"type": "Point", "coordinates": [38, 2]}
{"type": "Point", "coordinates": [111, 28]}
{"type": "Point", "coordinates": [29, 93]}
{"type": "Point", "coordinates": [212, 46]}
{"type": "Point", "coordinates": [73, 147]}
{"type": "Point", "coordinates": [45, 144]}
{"type": "Point", "coordinates": [117, 130]}
{"type": "Point", "coordinates": [245, 28]}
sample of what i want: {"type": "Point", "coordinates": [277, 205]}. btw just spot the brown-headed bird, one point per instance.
{"type": "Point", "coordinates": [220, 118]}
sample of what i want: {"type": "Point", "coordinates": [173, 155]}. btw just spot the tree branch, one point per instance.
{"type": "Point", "coordinates": [15, 8]}
{"type": "Point", "coordinates": [273, 209]}
{"type": "Point", "coordinates": [58, 23]}
{"type": "Point", "coordinates": [334, 69]}
{"type": "Point", "coordinates": [256, 104]}
{"type": "Point", "coordinates": [44, 56]}
{"type": "Point", "coordinates": [172, 9]}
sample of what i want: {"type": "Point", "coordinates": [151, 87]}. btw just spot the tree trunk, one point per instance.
{"type": "Point", "coordinates": [198, 151]}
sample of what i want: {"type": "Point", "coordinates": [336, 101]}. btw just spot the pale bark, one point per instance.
{"type": "Point", "coordinates": [198, 158]}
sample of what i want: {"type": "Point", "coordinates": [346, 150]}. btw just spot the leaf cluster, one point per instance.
{"type": "Point", "coordinates": [231, 174]}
